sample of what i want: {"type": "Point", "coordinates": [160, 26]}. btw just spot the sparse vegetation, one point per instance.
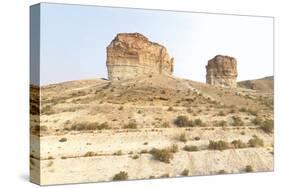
{"type": "Point", "coordinates": [122, 175]}
{"type": "Point", "coordinates": [257, 121]}
{"type": "Point", "coordinates": [268, 126]}
{"type": "Point", "coordinates": [218, 145]}
{"type": "Point", "coordinates": [222, 172]}
{"type": "Point", "coordinates": [182, 137]}
{"type": "Point", "coordinates": [131, 125]}
{"type": "Point", "coordinates": [237, 121]}
{"type": "Point", "coordinates": [163, 155]}
{"type": "Point", "coordinates": [63, 140]}
{"type": "Point", "coordinates": [255, 141]}
{"type": "Point", "coordinates": [191, 148]}
{"type": "Point", "coordinates": [249, 168]}
{"type": "Point", "coordinates": [183, 121]}
{"type": "Point", "coordinates": [196, 138]}
{"type": "Point", "coordinates": [87, 126]}
{"type": "Point", "coordinates": [165, 125]}
{"type": "Point", "coordinates": [174, 148]}
{"type": "Point", "coordinates": [170, 108]}
{"type": "Point", "coordinates": [185, 172]}
{"type": "Point", "coordinates": [136, 157]}
{"type": "Point", "coordinates": [238, 144]}
{"type": "Point", "coordinates": [119, 152]}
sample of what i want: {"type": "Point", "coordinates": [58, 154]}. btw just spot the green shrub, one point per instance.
{"type": "Point", "coordinates": [135, 156]}
{"type": "Point", "coordinates": [268, 126]}
{"type": "Point", "coordinates": [121, 176]}
{"type": "Point", "coordinates": [249, 168]}
{"type": "Point", "coordinates": [237, 121]}
{"type": "Point", "coordinates": [185, 172]}
{"type": "Point", "coordinates": [170, 108]}
{"type": "Point", "coordinates": [183, 121]}
{"type": "Point", "coordinates": [238, 144]}
{"type": "Point", "coordinates": [191, 148]}
{"type": "Point", "coordinates": [131, 125]}
{"type": "Point", "coordinates": [257, 121]}
{"type": "Point", "coordinates": [166, 125]}
{"type": "Point", "coordinates": [163, 155]}
{"type": "Point", "coordinates": [182, 137]}
{"type": "Point", "coordinates": [119, 152]}
{"type": "Point", "coordinates": [218, 145]}
{"type": "Point", "coordinates": [174, 148]}
{"type": "Point", "coordinates": [256, 142]}
{"type": "Point", "coordinates": [63, 140]}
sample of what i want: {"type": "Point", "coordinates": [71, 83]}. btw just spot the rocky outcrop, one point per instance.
{"type": "Point", "coordinates": [222, 71]}
{"type": "Point", "coordinates": [131, 55]}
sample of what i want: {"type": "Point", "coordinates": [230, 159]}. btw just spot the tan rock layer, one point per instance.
{"type": "Point", "coordinates": [131, 54]}
{"type": "Point", "coordinates": [222, 71]}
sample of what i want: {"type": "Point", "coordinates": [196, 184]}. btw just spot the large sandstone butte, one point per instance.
{"type": "Point", "coordinates": [131, 54]}
{"type": "Point", "coordinates": [222, 71]}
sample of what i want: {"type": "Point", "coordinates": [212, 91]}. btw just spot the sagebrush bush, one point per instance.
{"type": "Point", "coordinates": [238, 144]}
{"type": "Point", "coordinates": [191, 148]}
{"type": "Point", "coordinates": [255, 141]}
{"type": "Point", "coordinates": [218, 145]}
{"type": "Point", "coordinates": [183, 121]}
{"type": "Point", "coordinates": [131, 125]}
{"type": "Point", "coordinates": [182, 137]}
{"type": "Point", "coordinates": [163, 155]}
{"type": "Point", "coordinates": [237, 121]}
{"type": "Point", "coordinates": [268, 126]}
{"type": "Point", "coordinates": [185, 172]}
{"type": "Point", "coordinates": [249, 168]}
{"type": "Point", "coordinates": [122, 175]}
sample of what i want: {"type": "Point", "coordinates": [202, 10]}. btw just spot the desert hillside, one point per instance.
{"type": "Point", "coordinates": [263, 84]}
{"type": "Point", "coordinates": [151, 127]}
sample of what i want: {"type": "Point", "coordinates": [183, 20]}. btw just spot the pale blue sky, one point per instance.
{"type": "Point", "coordinates": [74, 40]}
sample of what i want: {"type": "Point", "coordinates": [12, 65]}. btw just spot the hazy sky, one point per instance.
{"type": "Point", "coordinates": [74, 40]}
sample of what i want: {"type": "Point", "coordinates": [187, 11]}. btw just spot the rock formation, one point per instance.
{"type": "Point", "coordinates": [222, 71]}
{"type": "Point", "coordinates": [131, 54]}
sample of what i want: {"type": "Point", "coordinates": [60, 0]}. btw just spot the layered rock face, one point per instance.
{"type": "Point", "coordinates": [222, 71]}
{"type": "Point", "coordinates": [131, 54]}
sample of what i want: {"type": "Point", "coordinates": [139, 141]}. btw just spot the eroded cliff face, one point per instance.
{"type": "Point", "coordinates": [130, 55]}
{"type": "Point", "coordinates": [222, 71]}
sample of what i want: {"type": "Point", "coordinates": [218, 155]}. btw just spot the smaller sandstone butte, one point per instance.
{"type": "Point", "coordinates": [222, 71]}
{"type": "Point", "coordinates": [131, 54]}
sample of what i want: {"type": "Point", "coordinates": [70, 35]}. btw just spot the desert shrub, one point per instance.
{"type": "Point", "coordinates": [183, 121]}
{"type": "Point", "coordinates": [163, 155]}
{"type": "Point", "coordinates": [182, 137]}
{"type": "Point", "coordinates": [119, 152]}
{"type": "Point", "coordinates": [89, 154]}
{"type": "Point", "coordinates": [255, 142]}
{"type": "Point", "coordinates": [131, 125]}
{"type": "Point", "coordinates": [145, 143]}
{"type": "Point", "coordinates": [143, 151]}
{"type": "Point", "coordinates": [237, 121]}
{"type": "Point", "coordinates": [102, 126]}
{"type": "Point", "coordinates": [222, 172]}
{"type": "Point", "coordinates": [218, 145]}
{"type": "Point", "coordinates": [136, 157]}
{"type": "Point", "coordinates": [222, 123]}
{"type": "Point", "coordinates": [232, 111]}
{"type": "Point", "coordinates": [196, 138]}
{"type": "Point", "coordinates": [243, 109]}
{"type": "Point", "coordinates": [47, 110]}
{"type": "Point", "coordinates": [249, 168]}
{"type": "Point", "coordinates": [221, 113]}
{"type": "Point", "coordinates": [174, 148]}
{"type": "Point", "coordinates": [198, 122]}
{"type": "Point", "coordinates": [238, 144]}
{"type": "Point", "coordinates": [63, 140]}
{"type": "Point", "coordinates": [257, 121]}
{"type": "Point", "coordinates": [268, 126]}
{"type": "Point", "coordinates": [87, 126]}
{"type": "Point", "coordinates": [121, 108]}
{"type": "Point", "coordinates": [166, 125]}
{"type": "Point", "coordinates": [191, 148]}
{"type": "Point", "coordinates": [170, 108]}
{"type": "Point", "coordinates": [185, 172]}
{"type": "Point", "coordinates": [122, 175]}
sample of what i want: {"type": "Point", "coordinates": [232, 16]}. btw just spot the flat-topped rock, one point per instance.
{"type": "Point", "coordinates": [130, 55]}
{"type": "Point", "coordinates": [222, 71]}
